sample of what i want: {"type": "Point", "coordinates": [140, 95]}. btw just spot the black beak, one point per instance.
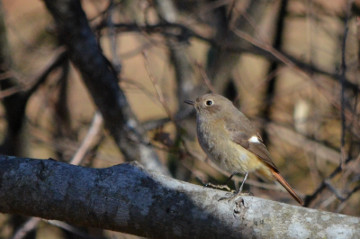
{"type": "Point", "coordinates": [190, 102]}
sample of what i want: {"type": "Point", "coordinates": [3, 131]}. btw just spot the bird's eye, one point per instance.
{"type": "Point", "coordinates": [209, 102]}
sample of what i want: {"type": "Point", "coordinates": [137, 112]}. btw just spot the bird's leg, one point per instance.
{"type": "Point", "coordinates": [228, 180]}
{"type": "Point", "coordinates": [238, 192]}
{"type": "Point", "coordinates": [242, 184]}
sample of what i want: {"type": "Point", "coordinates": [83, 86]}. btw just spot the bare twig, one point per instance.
{"type": "Point", "coordinates": [333, 190]}
{"type": "Point", "coordinates": [308, 145]}
{"type": "Point", "coordinates": [27, 227]}
{"type": "Point", "coordinates": [6, 75]}
{"type": "Point", "coordinates": [93, 131]}
{"type": "Point", "coordinates": [267, 47]}
{"type": "Point", "coordinates": [57, 61]}
{"type": "Point", "coordinates": [322, 186]}
{"type": "Point", "coordinates": [113, 39]}
{"type": "Point", "coordinates": [157, 88]}
{"type": "Point", "coordinates": [205, 77]}
{"type": "Point", "coordinates": [72, 229]}
{"type": "Point", "coordinates": [258, 47]}
{"type": "Point", "coordinates": [10, 91]}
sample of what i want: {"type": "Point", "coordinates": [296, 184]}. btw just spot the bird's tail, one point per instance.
{"type": "Point", "coordinates": [288, 188]}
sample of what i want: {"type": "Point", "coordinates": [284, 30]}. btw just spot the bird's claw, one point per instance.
{"type": "Point", "coordinates": [231, 196]}
{"type": "Point", "coordinates": [221, 187]}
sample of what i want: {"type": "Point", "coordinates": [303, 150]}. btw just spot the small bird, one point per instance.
{"type": "Point", "coordinates": [231, 141]}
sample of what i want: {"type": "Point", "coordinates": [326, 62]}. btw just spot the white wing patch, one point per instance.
{"type": "Point", "coordinates": [254, 139]}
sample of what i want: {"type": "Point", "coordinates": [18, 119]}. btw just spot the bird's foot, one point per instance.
{"type": "Point", "coordinates": [221, 187]}
{"type": "Point", "coordinates": [231, 196]}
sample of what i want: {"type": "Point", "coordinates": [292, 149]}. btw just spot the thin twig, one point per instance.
{"type": "Point", "coordinates": [10, 91]}
{"type": "Point", "coordinates": [258, 49]}
{"type": "Point", "coordinates": [27, 227]}
{"type": "Point", "coordinates": [93, 131]}
{"type": "Point", "coordinates": [113, 39]}
{"type": "Point", "coordinates": [6, 75]}
{"type": "Point", "coordinates": [290, 63]}
{"type": "Point", "coordinates": [157, 88]}
{"type": "Point", "coordinates": [205, 77]}
{"type": "Point", "coordinates": [61, 56]}
{"type": "Point", "coordinates": [267, 47]}
{"type": "Point", "coordinates": [322, 186]}
{"type": "Point", "coordinates": [333, 190]}
{"type": "Point", "coordinates": [72, 229]}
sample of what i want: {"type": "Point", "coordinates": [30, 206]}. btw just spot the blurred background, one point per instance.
{"type": "Point", "coordinates": [291, 66]}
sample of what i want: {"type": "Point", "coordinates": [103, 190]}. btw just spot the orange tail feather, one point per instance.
{"type": "Point", "coordinates": [288, 188]}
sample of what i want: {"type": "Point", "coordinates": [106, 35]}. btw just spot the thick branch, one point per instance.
{"type": "Point", "coordinates": [126, 198]}
{"type": "Point", "coordinates": [101, 81]}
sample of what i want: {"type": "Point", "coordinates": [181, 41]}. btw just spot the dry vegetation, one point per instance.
{"type": "Point", "coordinates": [292, 66]}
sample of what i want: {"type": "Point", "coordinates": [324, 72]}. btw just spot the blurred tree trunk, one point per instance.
{"type": "Point", "coordinates": [185, 82]}
{"type": "Point", "coordinates": [15, 103]}
{"type": "Point", "coordinates": [271, 84]}
{"type": "Point", "coordinates": [221, 63]}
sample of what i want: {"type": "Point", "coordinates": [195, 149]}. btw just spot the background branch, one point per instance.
{"type": "Point", "coordinates": [102, 83]}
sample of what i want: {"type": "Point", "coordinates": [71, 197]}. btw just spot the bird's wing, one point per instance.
{"type": "Point", "coordinates": [250, 140]}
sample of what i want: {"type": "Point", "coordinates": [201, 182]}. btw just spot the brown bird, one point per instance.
{"type": "Point", "coordinates": [230, 140]}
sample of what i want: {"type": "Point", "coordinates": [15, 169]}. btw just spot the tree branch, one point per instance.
{"type": "Point", "coordinates": [102, 83]}
{"type": "Point", "coordinates": [186, 33]}
{"type": "Point", "coordinates": [179, 55]}
{"type": "Point", "coordinates": [128, 199]}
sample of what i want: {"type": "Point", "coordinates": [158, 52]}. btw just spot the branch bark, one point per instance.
{"type": "Point", "coordinates": [102, 83]}
{"type": "Point", "coordinates": [126, 198]}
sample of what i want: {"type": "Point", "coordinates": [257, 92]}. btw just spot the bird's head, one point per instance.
{"type": "Point", "coordinates": [211, 106]}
